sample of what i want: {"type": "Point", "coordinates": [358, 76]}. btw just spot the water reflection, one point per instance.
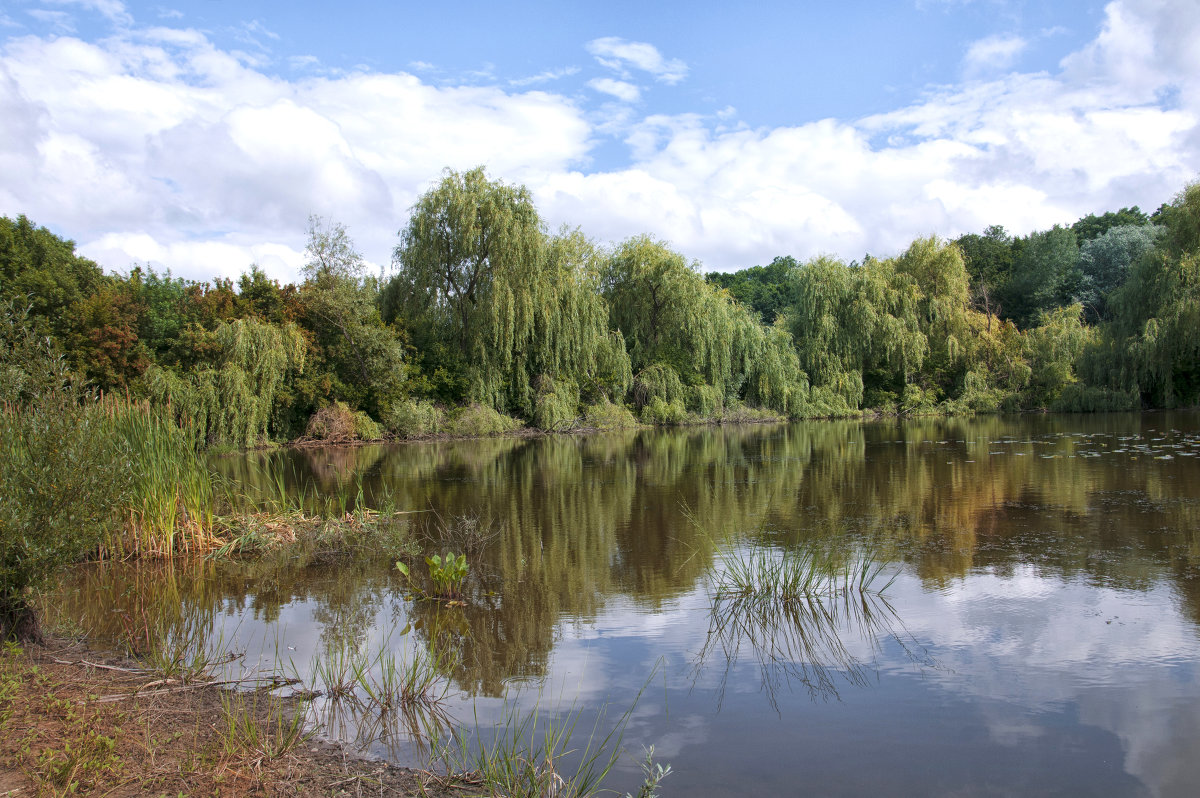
{"type": "Point", "coordinates": [597, 553]}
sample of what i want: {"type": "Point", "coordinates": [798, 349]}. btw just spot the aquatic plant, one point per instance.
{"type": "Point", "coordinates": [446, 572]}
{"type": "Point", "coordinates": [795, 573]}
{"type": "Point", "coordinates": [526, 755]}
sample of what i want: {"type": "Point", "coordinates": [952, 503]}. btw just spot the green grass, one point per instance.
{"type": "Point", "coordinates": [526, 756]}
{"type": "Point", "coordinates": [788, 574]}
{"type": "Point", "coordinates": [258, 725]}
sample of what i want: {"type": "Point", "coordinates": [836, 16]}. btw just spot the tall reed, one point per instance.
{"type": "Point", "coordinates": [171, 510]}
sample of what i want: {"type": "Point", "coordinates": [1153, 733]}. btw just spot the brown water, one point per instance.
{"type": "Point", "coordinates": [1040, 637]}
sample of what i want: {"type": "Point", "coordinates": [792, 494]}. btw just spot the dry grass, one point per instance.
{"type": "Point", "coordinates": [74, 723]}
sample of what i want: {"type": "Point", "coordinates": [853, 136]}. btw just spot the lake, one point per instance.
{"type": "Point", "coordinates": [1038, 635]}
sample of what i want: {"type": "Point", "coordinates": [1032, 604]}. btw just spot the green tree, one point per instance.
{"type": "Point", "coordinates": [1093, 226]}
{"type": "Point", "coordinates": [363, 357]}
{"type": "Point", "coordinates": [1152, 345]}
{"type": "Point", "coordinates": [1045, 275]}
{"type": "Point", "coordinates": [1105, 261]}
{"type": "Point", "coordinates": [41, 270]}
{"type": "Point", "coordinates": [481, 287]}
{"type": "Point", "coordinates": [988, 259]}
{"type": "Point", "coordinates": [767, 289]}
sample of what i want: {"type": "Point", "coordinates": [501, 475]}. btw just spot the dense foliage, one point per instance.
{"type": "Point", "coordinates": [488, 319]}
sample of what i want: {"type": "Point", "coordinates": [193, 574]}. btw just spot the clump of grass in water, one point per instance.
{"type": "Point", "coordinates": [527, 755]}
{"type": "Point", "coordinates": [789, 574]}
{"type": "Point", "coordinates": [382, 680]}
{"type": "Point", "coordinates": [389, 683]}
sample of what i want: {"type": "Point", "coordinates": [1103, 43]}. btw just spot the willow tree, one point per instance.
{"type": "Point", "coordinates": [519, 310]}
{"type": "Point", "coordinates": [850, 321]}
{"type": "Point", "coordinates": [229, 400]}
{"type": "Point", "coordinates": [943, 309]}
{"type": "Point", "coordinates": [689, 340]}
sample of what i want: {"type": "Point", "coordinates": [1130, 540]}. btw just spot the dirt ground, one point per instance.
{"type": "Point", "coordinates": [75, 721]}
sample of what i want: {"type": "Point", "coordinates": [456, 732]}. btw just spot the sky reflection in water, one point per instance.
{"type": "Point", "coordinates": [1040, 637]}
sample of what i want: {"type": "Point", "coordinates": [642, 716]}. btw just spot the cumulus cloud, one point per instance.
{"type": "Point", "coordinates": [993, 53]}
{"type": "Point", "coordinates": [626, 92]}
{"type": "Point", "coordinates": [162, 134]}
{"type": "Point", "coordinates": [621, 55]}
{"type": "Point", "coordinates": [155, 143]}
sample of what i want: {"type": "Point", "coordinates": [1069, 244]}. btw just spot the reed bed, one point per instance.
{"type": "Point", "coordinates": [179, 507]}
{"type": "Point", "coordinates": [172, 507]}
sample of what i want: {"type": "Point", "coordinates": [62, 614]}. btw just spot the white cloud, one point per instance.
{"type": "Point", "coordinates": [157, 136]}
{"type": "Point", "coordinates": [620, 55]}
{"type": "Point", "coordinates": [626, 92]}
{"type": "Point", "coordinates": [545, 77]}
{"type": "Point", "coordinates": [161, 134]}
{"type": "Point", "coordinates": [993, 53]}
{"type": "Point", "coordinates": [112, 10]}
{"type": "Point", "coordinates": [61, 21]}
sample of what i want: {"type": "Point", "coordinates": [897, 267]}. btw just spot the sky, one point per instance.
{"type": "Point", "coordinates": [200, 136]}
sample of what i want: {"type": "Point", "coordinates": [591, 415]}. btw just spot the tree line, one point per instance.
{"type": "Point", "coordinates": [488, 320]}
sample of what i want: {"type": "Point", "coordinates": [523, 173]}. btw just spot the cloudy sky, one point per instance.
{"type": "Point", "coordinates": [201, 135]}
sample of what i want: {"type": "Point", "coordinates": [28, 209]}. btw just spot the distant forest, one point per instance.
{"type": "Point", "coordinates": [489, 321]}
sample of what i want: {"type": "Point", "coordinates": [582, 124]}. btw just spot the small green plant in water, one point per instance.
{"type": "Point", "coordinates": [447, 573]}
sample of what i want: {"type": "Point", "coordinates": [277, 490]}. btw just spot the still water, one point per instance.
{"type": "Point", "coordinates": [1039, 637]}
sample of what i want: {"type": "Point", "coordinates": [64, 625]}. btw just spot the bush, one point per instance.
{"type": "Point", "coordinates": [606, 415]}
{"type": "Point", "coordinates": [705, 400]}
{"type": "Point", "coordinates": [661, 412]}
{"type": "Point", "coordinates": [657, 381]}
{"type": "Point", "coordinates": [65, 476]}
{"type": "Point", "coordinates": [415, 418]}
{"type": "Point", "coordinates": [476, 421]}
{"type": "Point", "coordinates": [337, 422]}
{"type": "Point", "coordinates": [556, 405]}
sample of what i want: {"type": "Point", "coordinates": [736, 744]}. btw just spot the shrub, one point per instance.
{"type": "Point", "coordinates": [415, 418]}
{"type": "Point", "coordinates": [366, 428]}
{"type": "Point", "coordinates": [476, 421]}
{"type": "Point", "coordinates": [65, 475]}
{"type": "Point", "coordinates": [556, 405]}
{"type": "Point", "coordinates": [661, 412]}
{"type": "Point", "coordinates": [337, 422]}
{"type": "Point", "coordinates": [606, 415]}
{"type": "Point", "coordinates": [657, 381]}
{"type": "Point", "coordinates": [705, 400]}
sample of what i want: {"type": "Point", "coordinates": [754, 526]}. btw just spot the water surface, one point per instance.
{"type": "Point", "coordinates": [1040, 636]}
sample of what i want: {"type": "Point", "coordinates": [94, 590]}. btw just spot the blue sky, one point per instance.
{"type": "Point", "coordinates": [201, 135]}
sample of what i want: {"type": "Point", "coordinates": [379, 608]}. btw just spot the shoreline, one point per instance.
{"type": "Point", "coordinates": [79, 720]}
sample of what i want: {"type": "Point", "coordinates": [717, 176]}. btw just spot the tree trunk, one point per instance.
{"type": "Point", "coordinates": [19, 622]}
